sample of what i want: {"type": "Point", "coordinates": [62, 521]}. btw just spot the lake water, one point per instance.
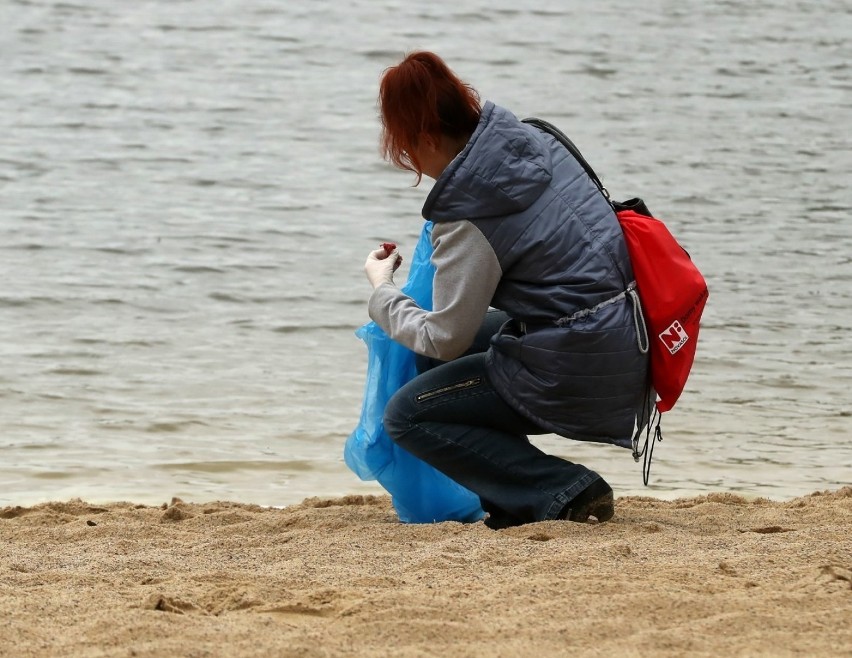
{"type": "Point", "coordinates": [189, 190]}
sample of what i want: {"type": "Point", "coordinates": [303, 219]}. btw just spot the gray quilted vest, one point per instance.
{"type": "Point", "coordinates": [570, 359]}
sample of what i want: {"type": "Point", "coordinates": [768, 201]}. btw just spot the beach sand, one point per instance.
{"type": "Point", "coordinates": [715, 575]}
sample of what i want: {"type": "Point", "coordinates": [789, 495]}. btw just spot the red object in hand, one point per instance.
{"type": "Point", "coordinates": [389, 248]}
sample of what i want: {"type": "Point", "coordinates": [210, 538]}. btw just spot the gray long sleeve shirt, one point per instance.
{"type": "Point", "coordinates": [466, 275]}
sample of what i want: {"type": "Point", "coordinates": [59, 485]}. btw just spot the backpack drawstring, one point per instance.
{"type": "Point", "coordinates": [646, 421]}
{"type": "Point", "coordinates": [639, 320]}
{"type": "Point", "coordinates": [648, 448]}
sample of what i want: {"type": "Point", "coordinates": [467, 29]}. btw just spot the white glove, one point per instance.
{"type": "Point", "coordinates": [380, 266]}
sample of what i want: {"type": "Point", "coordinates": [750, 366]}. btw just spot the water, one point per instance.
{"type": "Point", "coordinates": [189, 190]}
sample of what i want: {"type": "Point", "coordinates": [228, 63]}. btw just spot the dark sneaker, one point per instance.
{"type": "Point", "coordinates": [595, 500]}
{"type": "Point", "coordinates": [498, 520]}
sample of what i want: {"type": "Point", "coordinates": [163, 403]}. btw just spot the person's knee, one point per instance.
{"type": "Point", "coordinates": [397, 416]}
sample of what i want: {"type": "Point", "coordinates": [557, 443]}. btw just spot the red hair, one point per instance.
{"type": "Point", "coordinates": [421, 98]}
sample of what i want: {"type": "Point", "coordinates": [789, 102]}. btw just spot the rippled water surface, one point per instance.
{"type": "Point", "coordinates": [189, 190]}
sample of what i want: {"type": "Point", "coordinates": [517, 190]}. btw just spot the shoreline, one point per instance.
{"type": "Point", "coordinates": [665, 493]}
{"type": "Point", "coordinates": [716, 574]}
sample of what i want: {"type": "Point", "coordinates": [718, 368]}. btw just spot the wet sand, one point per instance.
{"type": "Point", "coordinates": [707, 576]}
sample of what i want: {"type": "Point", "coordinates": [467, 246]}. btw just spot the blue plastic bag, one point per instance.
{"type": "Point", "coordinates": [420, 494]}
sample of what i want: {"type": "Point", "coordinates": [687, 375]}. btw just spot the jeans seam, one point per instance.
{"type": "Point", "coordinates": [563, 498]}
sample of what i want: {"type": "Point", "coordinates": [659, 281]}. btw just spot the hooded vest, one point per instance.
{"type": "Point", "coordinates": [570, 358]}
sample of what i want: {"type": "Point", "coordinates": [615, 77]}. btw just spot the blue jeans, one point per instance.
{"type": "Point", "coordinates": [451, 417]}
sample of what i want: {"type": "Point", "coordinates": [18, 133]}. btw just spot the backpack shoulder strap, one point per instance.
{"type": "Point", "coordinates": [549, 128]}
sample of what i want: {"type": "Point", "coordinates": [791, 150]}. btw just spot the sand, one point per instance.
{"type": "Point", "coordinates": [716, 575]}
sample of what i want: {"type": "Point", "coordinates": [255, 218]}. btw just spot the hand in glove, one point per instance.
{"type": "Point", "coordinates": [382, 263]}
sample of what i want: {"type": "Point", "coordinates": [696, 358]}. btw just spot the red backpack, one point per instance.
{"type": "Point", "coordinates": [673, 294]}
{"type": "Point", "coordinates": [671, 290]}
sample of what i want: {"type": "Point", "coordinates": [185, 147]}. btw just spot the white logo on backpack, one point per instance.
{"type": "Point", "coordinates": [674, 337]}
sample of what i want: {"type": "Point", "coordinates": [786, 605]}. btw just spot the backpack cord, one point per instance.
{"type": "Point", "coordinates": [644, 345]}
{"type": "Point", "coordinates": [648, 448]}
{"type": "Point", "coordinates": [639, 322]}
{"type": "Point", "coordinates": [646, 464]}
